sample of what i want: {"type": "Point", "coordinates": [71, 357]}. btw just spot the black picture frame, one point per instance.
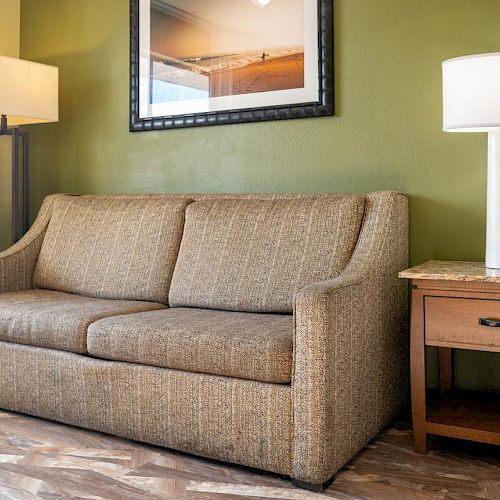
{"type": "Point", "coordinates": [324, 106]}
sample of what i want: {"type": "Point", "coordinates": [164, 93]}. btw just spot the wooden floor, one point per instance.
{"type": "Point", "coordinates": [46, 460]}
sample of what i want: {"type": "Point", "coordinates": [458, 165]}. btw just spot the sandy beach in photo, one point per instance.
{"type": "Point", "coordinates": [199, 50]}
{"type": "Point", "coordinates": [280, 73]}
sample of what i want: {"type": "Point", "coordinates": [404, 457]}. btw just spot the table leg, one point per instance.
{"type": "Point", "coordinates": [445, 360]}
{"type": "Point", "coordinates": [417, 371]}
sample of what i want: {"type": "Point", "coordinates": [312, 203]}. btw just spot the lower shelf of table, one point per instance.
{"type": "Point", "coordinates": [472, 415]}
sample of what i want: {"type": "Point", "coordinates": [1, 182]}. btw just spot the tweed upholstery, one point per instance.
{"type": "Point", "coordinates": [111, 247]}
{"type": "Point", "coordinates": [232, 344]}
{"type": "Point", "coordinates": [17, 263]}
{"type": "Point", "coordinates": [224, 418]}
{"type": "Point", "coordinates": [253, 255]}
{"type": "Point", "coordinates": [351, 347]}
{"type": "Point", "coordinates": [55, 319]}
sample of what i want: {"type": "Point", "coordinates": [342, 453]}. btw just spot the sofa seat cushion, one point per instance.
{"type": "Point", "coordinates": [57, 320]}
{"type": "Point", "coordinates": [112, 247]}
{"type": "Point", "coordinates": [232, 344]}
{"type": "Point", "coordinates": [254, 255]}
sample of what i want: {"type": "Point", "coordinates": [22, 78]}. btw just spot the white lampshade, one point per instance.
{"type": "Point", "coordinates": [28, 91]}
{"type": "Point", "coordinates": [471, 93]}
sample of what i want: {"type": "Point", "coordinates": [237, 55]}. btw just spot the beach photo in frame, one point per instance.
{"type": "Point", "coordinates": [213, 62]}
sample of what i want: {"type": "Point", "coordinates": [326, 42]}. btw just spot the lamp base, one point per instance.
{"type": "Point", "coordinates": [493, 215]}
{"type": "Point", "coordinates": [492, 273]}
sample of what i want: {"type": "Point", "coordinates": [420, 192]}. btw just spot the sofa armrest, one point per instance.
{"type": "Point", "coordinates": [17, 263]}
{"type": "Point", "coordinates": [350, 347]}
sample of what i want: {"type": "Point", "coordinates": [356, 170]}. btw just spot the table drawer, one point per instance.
{"type": "Point", "coordinates": [454, 322]}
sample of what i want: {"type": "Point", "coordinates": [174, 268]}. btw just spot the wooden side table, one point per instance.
{"type": "Point", "coordinates": [455, 305]}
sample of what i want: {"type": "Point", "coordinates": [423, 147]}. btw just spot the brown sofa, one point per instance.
{"type": "Point", "coordinates": [267, 330]}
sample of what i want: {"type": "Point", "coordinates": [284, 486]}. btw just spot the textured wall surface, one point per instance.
{"type": "Point", "coordinates": [9, 46]}
{"type": "Point", "coordinates": [386, 135]}
{"type": "Point", "coordinates": [9, 27]}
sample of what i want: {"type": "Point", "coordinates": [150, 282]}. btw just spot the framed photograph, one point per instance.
{"type": "Point", "coordinates": [213, 62]}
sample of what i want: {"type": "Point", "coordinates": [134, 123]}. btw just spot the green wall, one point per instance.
{"type": "Point", "coordinates": [386, 135]}
{"type": "Point", "coordinates": [9, 27]}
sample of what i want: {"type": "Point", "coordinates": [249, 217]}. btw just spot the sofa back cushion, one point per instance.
{"type": "Point", "coordinates": [253, 255]}
{"type": "Point", "coordinates": [112, 247]}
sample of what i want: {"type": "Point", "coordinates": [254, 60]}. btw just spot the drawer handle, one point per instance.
{"type": "Point", "coordinates": [492, 323]}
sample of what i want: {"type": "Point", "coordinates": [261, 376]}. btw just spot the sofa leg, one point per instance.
{"type": "Point", "coordinates": [319, 488]}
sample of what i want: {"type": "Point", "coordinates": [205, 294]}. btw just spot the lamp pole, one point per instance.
{"type": "Point", "coordinates": [493, 202]}
{"type": "Point", "coordinates": [17, 136]}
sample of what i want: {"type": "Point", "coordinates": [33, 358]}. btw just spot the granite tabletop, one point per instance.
{"type": "Point", "coordinates": [452, 271]}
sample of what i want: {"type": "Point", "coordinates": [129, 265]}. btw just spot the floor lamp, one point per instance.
{"type": "Point", "coordinates": [28, 94]}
